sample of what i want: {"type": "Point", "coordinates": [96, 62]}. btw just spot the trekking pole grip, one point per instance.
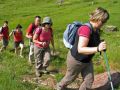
{"type": "Point", "coordinates": [102, 40]}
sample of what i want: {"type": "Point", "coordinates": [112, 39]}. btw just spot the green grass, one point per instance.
{"type": "Point", "coordinates": [23, 11]}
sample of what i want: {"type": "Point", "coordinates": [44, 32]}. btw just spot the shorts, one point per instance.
{"type": "Point", "coordinates": [16, 44]}
{"type": "Point", "coordinates": [5, 42]}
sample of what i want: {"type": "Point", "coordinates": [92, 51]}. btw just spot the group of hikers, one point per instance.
{"type": "Point", "coordinates": [40, 34]}
{"type": "Point", "coordinates": [79, 58]}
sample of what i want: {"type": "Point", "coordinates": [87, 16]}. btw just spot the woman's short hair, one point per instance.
{"type": "Point", "coordinates": [100, 14]}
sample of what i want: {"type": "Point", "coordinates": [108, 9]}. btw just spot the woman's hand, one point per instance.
{"type": "Point", "coordinates": [102, 46]}
{"type": "Point", "coordinates": [43, 43]}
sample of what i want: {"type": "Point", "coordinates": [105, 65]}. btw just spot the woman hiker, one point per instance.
{"type": "Point", "coordinates": [79, 58]}
{"type": "Point", "coordinates": [42, 38]}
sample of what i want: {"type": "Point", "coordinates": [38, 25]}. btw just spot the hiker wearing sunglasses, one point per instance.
{"type": "Point", "coordinates": [4, 35]}
{"type": "Point", "coordinates": [87, 43]}
{"type": "Point", "coordinates": [42, 38]}
{"type": "Point", "coordinates": [29, 34]}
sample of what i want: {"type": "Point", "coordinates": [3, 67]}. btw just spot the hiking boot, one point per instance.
{"type": "Point", "coordinates": [44, 71]}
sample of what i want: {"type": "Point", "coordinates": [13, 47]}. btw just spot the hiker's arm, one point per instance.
{"type": "Point", "coordinates": [29, 29]}
{"type": "Point", "coordinates": [1, 35]}
{"type": "Point", "coordinates": [35, 37]}
{"type": "Point", "coordinates": [10, 34]}
{"type": "Point", "coordinates": [52, 42]}
{"type": "Point", "coordinates": [29, 36]}
{"type": "Point", "coordinates": [83, 49]}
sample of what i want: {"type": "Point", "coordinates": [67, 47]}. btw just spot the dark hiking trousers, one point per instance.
{"type": "Point", "coordinates": [75, 67]}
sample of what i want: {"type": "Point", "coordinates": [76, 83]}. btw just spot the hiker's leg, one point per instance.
{"type": "Point", "coordinates": [4, 44]}
{"type": "Point", "coordinates": [16, 50]}
{"type": "Point", "coordinates": [73, 70]}
{"type": "Point", "coordinates": [31, 52]}
{"type": "Point", "coordinates": [88, 77]}
{"type": "Point", "coordinates": [21, 48]}
{"type": "Point", "coordinates": [16, 45]}
{"type": "Point", "coordinates": [46, 58]}
{"type": "Point", "coordinates": [38, 55]}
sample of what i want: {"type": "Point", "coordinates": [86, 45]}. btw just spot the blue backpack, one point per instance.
{"type": "Point", "coordinates": [70, 33]}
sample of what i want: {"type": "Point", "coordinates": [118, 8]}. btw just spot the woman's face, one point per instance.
{"type": "Point", "coordinates": [18, 29]}
{"type": "Point", "coordinates": [47, 25]}
{"type": "Point", "coordinates": [99, 24]}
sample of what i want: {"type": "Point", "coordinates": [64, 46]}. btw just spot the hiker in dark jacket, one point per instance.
{"type": "Point", "coordinates": [4, 35]}
{"type": "Point", "coordinates": [87, 43]}
{"type": "Point", "coordinates": [42, 38]}
{"type": "Point", "coordinates": [29, 34]}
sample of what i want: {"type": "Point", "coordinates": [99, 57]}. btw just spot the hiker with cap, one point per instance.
{"type": "Point", "coordinates": [29, 34]}
{"type": "Point", "coordinates": [42, 38]}
{"type": "Point", "coordinates": [18, 39]}
{"type": "Point", "coordinates": [87, 43]}
{"type": "Point", "coordinates": [4, 35]}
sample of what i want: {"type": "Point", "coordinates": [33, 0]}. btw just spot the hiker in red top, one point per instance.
{"type": "Point", "coordinates": [87, 43]}
{"type": "Point", "coordinates": [29, 34]}
{"type": "Point", "coordinates": [4, 35]}
{"type": "Point", "coordinates": [42, 38]}
{"type": "Point", "coordinates": [18, 39]}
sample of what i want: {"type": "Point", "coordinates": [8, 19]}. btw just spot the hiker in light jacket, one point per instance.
{"type": "Point", "coordinates": [29, 34]}
{"type": "Point", "coordinates": [42, 38]}
{"type": "Point", "coordinates": [79, 58]}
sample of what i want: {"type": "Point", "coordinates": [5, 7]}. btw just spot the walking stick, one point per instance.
{"type": "Point", "coordinates": [108, 69]}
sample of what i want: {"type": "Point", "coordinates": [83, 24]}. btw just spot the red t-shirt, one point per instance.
{"type": "Point", "coordinates": [18, 36]}
{"type": "Point", "coordinates": [43, 36]}
{"type": "Point", "coordinates": [5, 32]}
{"type": "Point", "coordinates": [31, 28]}
{"type": "Point", "coordinates": [84, 31]}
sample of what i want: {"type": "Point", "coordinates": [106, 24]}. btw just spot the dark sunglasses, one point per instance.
{"type": "Point", "coordinates": [48, 23]}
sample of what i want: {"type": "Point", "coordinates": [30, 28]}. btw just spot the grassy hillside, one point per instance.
{"type": "Point", "coordinates": [13, 68]}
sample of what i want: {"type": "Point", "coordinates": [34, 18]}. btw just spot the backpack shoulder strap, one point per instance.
{"type": "Point", "coordinates": [39, 29]}
{"type": "Point", "coordinates": [33, 25]}
{"type": "Point", "coordinates": [90, 26]}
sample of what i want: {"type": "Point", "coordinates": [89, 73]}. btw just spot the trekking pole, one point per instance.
{"type": "Point", "coordinates": [108, 69]}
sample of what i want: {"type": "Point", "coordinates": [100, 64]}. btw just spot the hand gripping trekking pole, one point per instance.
{"type": "Point", "coordinates": [108, 69]}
